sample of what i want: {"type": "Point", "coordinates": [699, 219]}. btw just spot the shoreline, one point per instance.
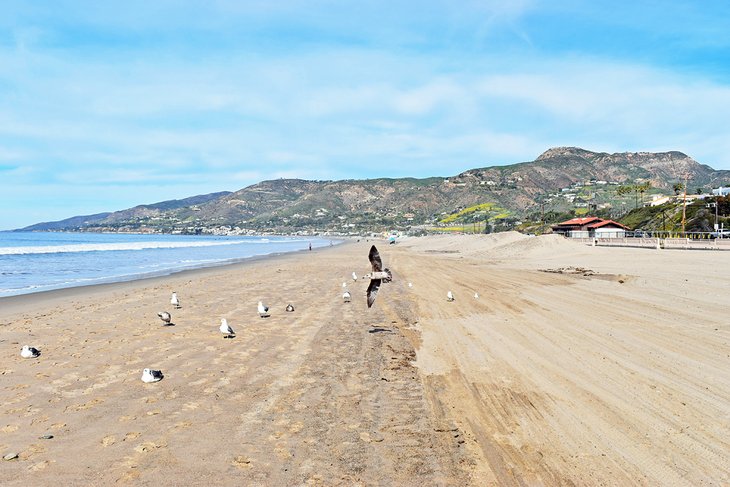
{"type": "Point", "coordinates": [23, 302]}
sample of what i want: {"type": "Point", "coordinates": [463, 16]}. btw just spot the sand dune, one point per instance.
{"type": "Point", "coordinates": [619, 376]}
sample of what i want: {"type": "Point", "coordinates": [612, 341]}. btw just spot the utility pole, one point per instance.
{"type": "Point", "coordinates": [684, 202]}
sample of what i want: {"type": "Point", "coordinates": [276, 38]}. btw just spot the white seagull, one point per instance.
{"type": "Point", "coordinates": [174, 301]}
{"type": "Point", "coordinates": [344, 284]}
{"type": "Point", "coordinates": [377, 276]}
{"type": "Point", "coordinates": [263, 310]}
{"type": "Point", "coordinates": [410, 284]}
{"type": "Point", "coordinates": [29, 352]}
{"type": "Point", "coordinates": [354, 276]}
{"type": "Point", "coordinates": [289, 308]}
{"type": "Point", "coordinates": [226, 329]}
{"type": "Point", "coordinates": [149, 375]}
{"type": "Point", "coordinates": [346, 296]}
{"type": "Point", "coordinates": [449, 296]}
{"type": "Point", "coordinates": [165, 317]}
{"type": "Point", "coordinates": [476, 295]}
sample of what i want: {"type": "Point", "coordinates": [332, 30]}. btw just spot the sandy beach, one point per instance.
{"type": "Point", "coordinates": [576, 365]}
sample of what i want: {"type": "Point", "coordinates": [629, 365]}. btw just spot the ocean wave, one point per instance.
{"type": "Point", "coordinates": [106, 247]}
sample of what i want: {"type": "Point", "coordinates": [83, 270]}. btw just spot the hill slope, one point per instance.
{"type": "Point", "coordinates": [557, 180]}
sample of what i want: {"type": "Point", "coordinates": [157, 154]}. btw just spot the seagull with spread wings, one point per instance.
{"type": "Point", "coordinates": [377, 276]}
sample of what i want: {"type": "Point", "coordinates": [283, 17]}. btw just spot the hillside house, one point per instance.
{"type": "Point", "coordinates": [589, 227]}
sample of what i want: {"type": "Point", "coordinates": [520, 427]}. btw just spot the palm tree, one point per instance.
{"type": "Point", "coordinates": [643, 188]}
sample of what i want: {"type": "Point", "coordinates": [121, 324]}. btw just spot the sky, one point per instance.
{"type": "Point", "coordinates": [106, 105]}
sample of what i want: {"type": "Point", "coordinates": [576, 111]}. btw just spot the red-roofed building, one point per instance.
{"type": "Point", "coordinates": [590, 226]}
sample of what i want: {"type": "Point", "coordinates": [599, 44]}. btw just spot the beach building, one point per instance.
{"type": "Point", "coordinates": [721, 191]}
{"type": "Point", "coordinates": [590, 226]}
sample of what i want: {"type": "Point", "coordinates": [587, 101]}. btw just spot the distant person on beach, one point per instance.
{"type": "Point", "coordinates": [310, 245]}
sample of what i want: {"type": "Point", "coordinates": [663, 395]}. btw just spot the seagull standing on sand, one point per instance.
{"type": "Point", "coordinates": [289, 308]}
{"type": "Point", "coordinates": [346, 296]}
{"type": "Point", "coordinates": [149, 375]}
{"type": "Point", "coordinates": [410, 284]}
{"type": "Point", "coordinates": [174, 301]}
{"type": "Point", "coordinates": [29, 352]}
{"type": "Point", "coordinates": [263, 310]}
{"type": "Point", "coordinates": [476, 295]}
{"type": "Point", "coordinates": [449, 296]}
{"type": "Point", "coordinates": [226, 329]}
{"type": "Point", "coordinates": [354, 276]}
{"type": "Point", "coordinates": [165, 317]}
{"type": "Point", "coordinates": [377, 276]}
{"type": "Point", "coordinates": [344, 284]}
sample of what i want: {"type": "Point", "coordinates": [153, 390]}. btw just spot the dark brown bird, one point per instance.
{"type": "Point", "coordinates": [377, 276]}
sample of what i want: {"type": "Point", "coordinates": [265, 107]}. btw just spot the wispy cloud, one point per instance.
{"type": "Point", "coordinates": [200, 97]}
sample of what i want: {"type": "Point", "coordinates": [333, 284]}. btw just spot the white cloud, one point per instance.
{"type": "Point", "coordinates": [389, 90]}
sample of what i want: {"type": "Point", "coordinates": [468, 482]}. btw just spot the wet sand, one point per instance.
{"type": "Point", "coordinates": [575, 366]}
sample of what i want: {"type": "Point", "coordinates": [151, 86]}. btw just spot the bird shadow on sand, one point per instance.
{"type": "Point", "coordinates": [380, 330]}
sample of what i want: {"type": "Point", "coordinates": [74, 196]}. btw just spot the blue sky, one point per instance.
{"type": "Point", "coordinates": [108, 106]}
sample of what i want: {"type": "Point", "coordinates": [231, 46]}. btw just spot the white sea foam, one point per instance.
{"type": "Point", "coordinates": [104, 247]}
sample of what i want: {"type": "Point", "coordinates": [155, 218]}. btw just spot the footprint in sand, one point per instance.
{"type": "Point", "coordinates": [40, 465]}
{"type": "Point", "coordinates": [283, 452]}
{"type": "Point", "coordinates": [39, 420]}
{"type": "Point", "coordinates": [241, 462]}
{"type": "Point", "coordinates": [32, 450]}
{"type": "Point", "coordinates": [87, 405]}
{"type": "Point", "coordinates": [149, 446]}
{"type": "Point", "coordinates": [131, 436]}
{"type": "Point", "coordinates": [129, 476]}
{"type": "Point", "coordinates": [108, 440]}
{"type": "Point", "coordinates": [223, 381]}
{"type": "Point", "coordinates": [183, 424]}
{"type": "Point", "coordinates": [9, 428]}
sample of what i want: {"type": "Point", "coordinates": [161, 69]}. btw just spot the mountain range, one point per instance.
{"type": "Point", "coordinates": [559, 179]}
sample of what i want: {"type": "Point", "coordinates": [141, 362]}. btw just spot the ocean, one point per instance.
{"type": "Point", "coordinates": [40, 261]}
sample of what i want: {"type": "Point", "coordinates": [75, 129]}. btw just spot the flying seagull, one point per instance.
{"type": "Point", "coordinates": [289, 308]}
{"type": "Point", "coordinates": [377, 276]}
{"type": "Point", "coordinates": [226, 329]}
{"type": "Point", "coordinates": [149, 375]}
{"type": "Point", "coordinates": [263, 310]}
{"type": "Point", "coordinates": [29, 352]}
{"type": "Point", "coordinates": [346, 296]}
{"type": "Point", "coordinates": [165, 317]}
{"type": "Point", "coordinates": [174, 301]}
{"type": "Point", "coordinates": [449, 296]}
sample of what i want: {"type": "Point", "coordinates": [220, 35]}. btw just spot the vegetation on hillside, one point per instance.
{"type": "Point", "coordinates": [700, 216]}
